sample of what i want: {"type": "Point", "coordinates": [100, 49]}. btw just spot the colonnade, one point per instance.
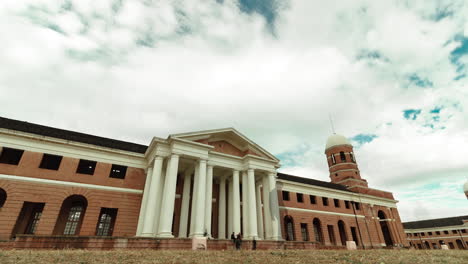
{"type": "Point", "coordinates": [259, 220]}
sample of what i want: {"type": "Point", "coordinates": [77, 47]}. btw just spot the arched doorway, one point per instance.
{"type": "Point", "coordinates": [289, 226]}
{"type": "Point", "coordinates": [385, 228]}
{"type": "Point", "coordinates": [426, 245]}
{"type": "Point", "coordinates": [460, 244]}
{"type": "Point", "coordinates": [318, 230]}
{"type": "Point", "coordinates": [3, 197]}
{"type": "Point", "coordinates": [342, 230]}
{"type": "Point", "coordinates": [71, 215]}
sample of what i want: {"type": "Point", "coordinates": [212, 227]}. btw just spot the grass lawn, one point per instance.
{"type": "Point", "coordinates": [229, 256]}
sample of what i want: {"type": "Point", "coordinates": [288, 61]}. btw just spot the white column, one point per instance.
{"type": "Point", "coordinates": [222, 209]}
{"type": "Point", "coordinates": [144, 201]}
{"type": "Point", "coordinates": [230, 209]}
{"type": "Point", "coordinates": [168, 199]}
{"type": "Point", "coordinates": [266, 208]}
{"type": "Point", "coordinates": [149, 219]}
{"type": "Point", "coordinates": [200, 202]}
{"type": "Point", "coordinates": [194, 197]}
{"type": "Point", "coordinates": [274, 208]}
{"type": "Point", "coordinates": [208, 200]}
{"type": "Point", "coordinates": [184, 210]}
{"type": "Point", "coordinates": [236, 228]}
{"type": "Point", "coordinates": [258, 195]}
{"type": "Point", "coordinates": [251, 205]}
{"type": "Point", "coordinates": [245, 207]}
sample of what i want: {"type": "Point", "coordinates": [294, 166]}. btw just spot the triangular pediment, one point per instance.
{"type": "Point", "coordinates": [228, 141]}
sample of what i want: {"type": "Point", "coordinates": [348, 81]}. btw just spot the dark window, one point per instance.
{"type": "Point", "coordinates": [453, 232]}
{"type": "Point", "coordinates": [342, 156]}
{"type": "Point", "coordinates": [346, 203]}
{"type": "Point", "coordinates": [429, 233]}
{"type": "Point", "coordinates": [446, 232]}
{"type": "Point", "coordinates": [331, 234]}
{"type": "Point", "coordinates": [105, 226]}
{"type": "Point", "coordinates": [34, 218]}
{"type": "Point", "coordinates": [333, 159]}
{"type": "Point", "coordinates": [422, 234]}
{"type": "Point", "coordinates": [86, 167]}
{"type": "Point", "coordinates": [300, 197]}
{"type": "Point", "coordinates": [3, 197]}
{"type": "Point", "coordinates": [437, 232]}
{"type": "Point", "coordinates": [336, 202]}
{"type": "Point", "coordinates": [11, 156]}
{"type": "Point", "coordinates": [118, 171]}
{"type": "Point", "coordinates": [312, 198]}
{"type": "Point", "coordinates": [352, 157]}
{"type": "Point", "coordinates": [317, 230]}
{"type": "Point", "coordinates": [285, 196]}
{"type": "Point", "coordinates": [50, 162]}
{"type": "Point", "coordinates": [288, 221]}
{"type": "Point", "coordinates": [358, 206]}
{"type": "Point", "coordinates": [463, 231]}
{"type": "Point", "coordinates": [325, 201]}
{"type": "Point", "coordinates": [354, 235]}
{"type": "Point", "coordinates": [304, 232]}
{"type": "Point", "coordinates": [451, 246]}
{"type": "Point", "coordinates": [28, 218]}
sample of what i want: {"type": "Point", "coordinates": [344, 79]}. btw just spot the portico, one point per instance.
{"type": "Point", "coordinates": [217, 171]}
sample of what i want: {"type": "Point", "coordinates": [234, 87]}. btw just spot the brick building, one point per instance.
{"type": "Point", "coordinates": [58, 185]}
{"type": "Point", "coordinates": [434, 233]}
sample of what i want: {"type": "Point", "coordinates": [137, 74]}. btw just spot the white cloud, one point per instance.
{"type": "Point", "coordinates": [139, 71]}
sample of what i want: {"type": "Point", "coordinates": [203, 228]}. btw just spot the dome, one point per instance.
{"type": "Point", "coordinates": [336, 140]}
{"type": "Point", "coordinates": [465, 187]}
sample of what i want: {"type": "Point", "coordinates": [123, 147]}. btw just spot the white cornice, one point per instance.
{"type": "Point", "coordinates": [69, 184]}
{"type": "Point", "coordinates": [319, 212]}
{"type": "Point", "coordinates": [434, 229]}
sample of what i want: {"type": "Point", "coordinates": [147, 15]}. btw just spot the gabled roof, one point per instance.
{"type": "Point", "coordinates": [229, 134]}
{"type": "Point", "coordinates": [41, 130]}
{"type": "Point", "coordinates": [439, 222]}
{"type": "Point", "coordinates": [329, 185]}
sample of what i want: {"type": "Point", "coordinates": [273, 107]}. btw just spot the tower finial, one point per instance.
{"type": "Point", "coordinates": [331, 123]}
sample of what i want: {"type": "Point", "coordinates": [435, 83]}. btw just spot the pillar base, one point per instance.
{"type": "Point", "coordinates": [276, 238]}
{"type": "Point", "coordinates": [165, 235]}
{"type": "Point", "coordinates": [146, 235]}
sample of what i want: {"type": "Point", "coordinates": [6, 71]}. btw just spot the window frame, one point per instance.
{"type": "Point", "coordinates": [14, 158]}
{"type": "Point", "coordinates": [325, 201]}
{"type": "Point", "coordinates": [342, 156]}
{"type": "Point", "coordinates": [105, 226]}
{"type": "Point", "coordinates": [336, 202]}
{"type": "Point", "coordinates": [312, 199]}
{"type": "Point", "coordinates": [49, 163]}
{"type": "Point", "coordinates": [122, 171]}
{"type": "Point", "coordinates": [285, 196]}
{"type": "Point", "coordinates": [300, 197]}
{"type": "Point", "coordinates": [83, 163]}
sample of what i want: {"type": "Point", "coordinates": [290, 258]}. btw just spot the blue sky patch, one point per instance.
{"type": "Point", "coordinates": [418, 81]}
{"type": "Point", "coordinates": [411, 114]}
{"type": "Point", "coordinates": [363, 138]}
{"type": "Point", "coordinates": [436, 110]}
{"type": "Point", "coordinates": [266, 8]}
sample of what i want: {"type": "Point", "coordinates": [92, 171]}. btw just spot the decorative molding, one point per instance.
{"type": "Point", "coordinates": [69, 184]}
{"type": "Point", "coordinates": [319, 212]}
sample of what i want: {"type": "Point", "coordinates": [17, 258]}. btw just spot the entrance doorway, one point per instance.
{"type": "Point", "coordinates": [342, 230]}
{"type": "Point", "coordinates": [385, 229]}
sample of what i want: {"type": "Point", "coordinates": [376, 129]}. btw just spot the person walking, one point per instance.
{"type": "Point", "coordinates": [238, 241]}
{"type": "Point", "coordinates": [254, 244]}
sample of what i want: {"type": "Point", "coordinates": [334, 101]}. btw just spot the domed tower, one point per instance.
{"type": "Point", "coordinates": [465, 189]}
{"type": "Point", "coordinates": [342, 162]}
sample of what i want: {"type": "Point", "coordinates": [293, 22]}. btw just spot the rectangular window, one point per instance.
{"type": "Point", "coordinates": [313, 199]}
{"type": "Point", "coordinates": [325, 201]}
{"type": "Point", "coordinates": [453, 232]}
{"type": "Point", "coordinates": [437, 232]}
{"type": "Point", "coordinates": [342, 156]}
{"type": "Point", "coordinates": [446, 232]}
{"type": "Point", "coordinates": [285, 195]}
{"type": "Point", "coordinates": [422, 234]}
{"type": "Point", "coordinates": [354, 234]}
{"type": "Point", "coordinates": [11, 156]}
{"type": "Point", "coordinates": [304, 232]}
{"type": "Point", "coordinates": [429, 233]}
{"type": "Point", "coordinates": [336, 202]}
{"type": "Point", "coordinates": [346, 203]}
{"type": "Point", "coordinates": [331, 234]}
{"type": "Point", "coordinates": [105, 226]}
{"type": "Point", "coordinates": [358, 206]}
{"type": "Point", "coordinates": [118, 171]}
{"type": "Point", "coordinates": [50, 162]}
{"type": "Point", "coordinates": [300, 197]}
{"type": "Point", "coordinates": [86, 167]}
{"type": "Point", "coordinates": [463, 231]}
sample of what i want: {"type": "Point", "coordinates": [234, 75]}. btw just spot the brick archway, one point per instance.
{"type": "Point", "coordinates": [3, 197]}
{"type": "Point", "coordinates": [318, 230]}
{"type": "Point", "coordinates": [71, 215]}
{"type": "Point", "coordinates": [289, 227]}
{"type": "Point", "coordinates": [342, 231]}
{"type": "Point", "coordinates": [385, 228]}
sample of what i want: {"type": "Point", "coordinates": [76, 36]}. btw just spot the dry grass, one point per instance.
{"type": "Point", "coordinates": [263, 257]}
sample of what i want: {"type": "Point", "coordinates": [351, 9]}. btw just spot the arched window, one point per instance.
{"type": "Point", "coordinates": [333, 158]}
{"type": "Point", "coordinates": [342, 230]}
{"type": "Point", "coordinates": [3, 197]}
{"type": "Point", "coordinates": [385, 228]}
{"type": "Point", "coordinates": [71, 215]}
{"type": "Point", "coordinates": [289, 225]}
{"type": "Point", "coordinates": [342, 156]}
{"type": "Point", "coordinates": [317, 230]}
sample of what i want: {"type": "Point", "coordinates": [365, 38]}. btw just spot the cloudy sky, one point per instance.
{"type": "Point", "coordinates": [392, 74]}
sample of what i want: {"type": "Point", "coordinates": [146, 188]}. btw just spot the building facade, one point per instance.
{"type": "Point", "coordinates": [210, 183]}
{"type": "Point", "coordinates": [434, 233]}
